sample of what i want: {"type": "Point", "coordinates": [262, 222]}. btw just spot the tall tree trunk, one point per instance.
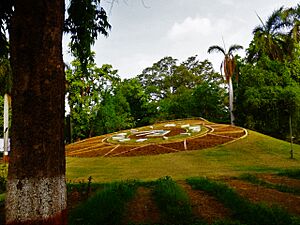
{"type": "Point", "coordinates": [6, 125]}
{"type": "Point", "coordinates": [231, 100]}
{"type": "Point", "coordinates": [36, 176]}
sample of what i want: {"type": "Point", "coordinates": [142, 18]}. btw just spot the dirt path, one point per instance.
{"type": "Point", "coordinates": [205, 206]}
{"type": "Point", "coordinates": [257, 193]}
{"type": "Point", "coordinates": [142, 209]}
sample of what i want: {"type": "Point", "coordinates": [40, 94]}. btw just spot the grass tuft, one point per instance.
{"type": "Point", "coordinates": [292, 173]}
{"type": "Point", "coordinates": [173, 202]}
{"type": "Point", "coordinates": [105, 207]}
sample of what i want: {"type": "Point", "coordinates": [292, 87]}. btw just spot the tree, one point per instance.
{"type": "Point", "coordinates": [36, 190]}
{"type": "Point", "coordinates": [153, 79]}
{"type": "Point", "coordinates": [86, 92]}
{"type": "Point", "coordinates": [141, 108]}
{"type": "Point", "coordinates": [37, 164]}
{"type": "Point", "coordinates": [229, 66]}
{"type": "Point", "coordinates": [112, 115]}
{"type": "Point", "coordinates": [276, 38]}
{"type": "Point", "coordinates": [5, 90]}
{"type": "Point", "coordinates": [269, 82]}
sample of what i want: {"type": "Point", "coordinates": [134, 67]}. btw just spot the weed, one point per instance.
{"type": "Point", "coordinates": [244, 210]}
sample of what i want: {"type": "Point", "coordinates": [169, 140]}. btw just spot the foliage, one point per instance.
{"type": "Point", "coordinates": [228, 64]}
{"type": "Point", "coordinates": [209, 102]}
{"type": "Point", "coordinates": [243, 210]}
{"type": "Point", "coordinates": [165, 77]}
{"type": "Point", "coordinates": [112, 115]}
{"type": "Point", "coordinates": [105, 207]}
{"type": "Point", "coordinates": [5, 76]}
{"type": "Point", "coordinates": [189, 89]}
{"type": "Point", "coordinates": [94, 109]}
{"type": "Point", "coordinates": [270, 94]}
{"type": "Point", "coordinates": [86, 19]}
{"type": "Point", "coordinates": [140, 107]}
{"type": "Point", "coordinates": [205, 100]}
{"type": "Point", "coordinates": [6, 11]}
{"type": "Point", "coordinates": [278, 37]}
{"type": "Point", "coordinates": [3, 181]}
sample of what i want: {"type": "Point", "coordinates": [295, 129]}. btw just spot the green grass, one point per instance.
{"type": "Point", "coordinates": [105, 207]}
{"type": "Point", "coordinates": [255, 153]}
{"type": "Point", "coordinates": [291, 173]}
{"type": "Point", "coordinates": [173, 202]}
{"type": "Point", "coordinates": [242, 209]}
{"type": "Point", "coordinates": [280, 187]}
{"type": "Point", "coordinates": [2, 198]}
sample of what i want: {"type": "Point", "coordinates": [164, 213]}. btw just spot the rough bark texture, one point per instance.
{"type": "Point", "coordinates": [36, 184]}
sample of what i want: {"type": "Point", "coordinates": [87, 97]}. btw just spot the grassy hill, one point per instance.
{"type": "Point", "coordinates": [255, 153]}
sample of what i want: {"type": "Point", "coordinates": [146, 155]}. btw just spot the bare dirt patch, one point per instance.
{"type": "Point", "coordinates": [256, 193]}
{"type": "Point", "coordinates": [142, 209]}
{"type": "Point", "coordinates": [205, 206]}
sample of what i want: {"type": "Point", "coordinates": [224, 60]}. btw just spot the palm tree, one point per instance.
{"type": "Point", "coordinates": [277, 37]}
{"type": "Point", "coordinates": [229, 66]}
{"type": "Point", "coordinates": [291, 19]}
{"type": "Point", "coordinates": [5, 77]}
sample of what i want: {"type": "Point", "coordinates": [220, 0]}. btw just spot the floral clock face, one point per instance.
{"type": "Point", "coordinates": [182, 135]}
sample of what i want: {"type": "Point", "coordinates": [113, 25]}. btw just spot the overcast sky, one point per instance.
{"type": "Point", "coordinates": [143, 32]}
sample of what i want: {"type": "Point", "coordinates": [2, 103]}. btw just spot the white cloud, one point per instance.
{"type": "Point", "coordinates": [226, 2]}
{"type": "Point", "coordinates": [195, 28]}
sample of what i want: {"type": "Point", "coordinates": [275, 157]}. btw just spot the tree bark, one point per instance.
{"type": "Point", "coordinates": [36, 190]}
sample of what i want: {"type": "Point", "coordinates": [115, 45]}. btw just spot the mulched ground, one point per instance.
{"type": "Point", "coordinates": [257, 193]}
{"type": "Point", "coordinates": [280, 180]}
{"type": "Point", "coordinates": [205, 206]}
{"type": "Point", "coordinates": [142, 209]}
{"type": "Point", "coordinates": [98, 146]}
